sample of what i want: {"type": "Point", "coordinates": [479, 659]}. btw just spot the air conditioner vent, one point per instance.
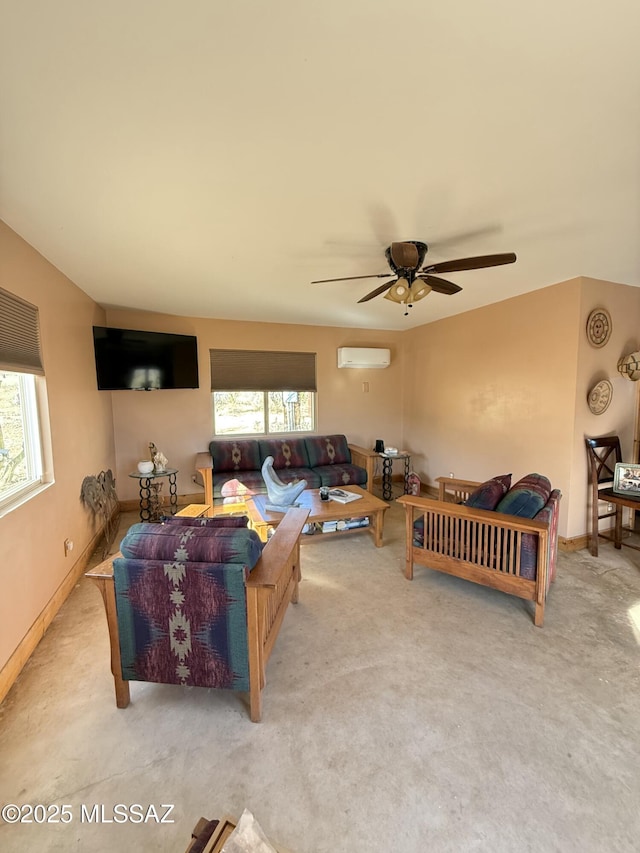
{"type": "Point", "coordinates": [364, 357]}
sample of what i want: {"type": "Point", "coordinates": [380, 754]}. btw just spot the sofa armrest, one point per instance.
{"type": "Point", "coordinates": [454, 490]}
{"type": "Point", "coordinates": [204, 467]}
{"type": "Point", "coordinates": [365, 459]}
{"type": "Point", "coordinates": [279, 549]}
{"type": "Point", "coordinates": [271, 585]}
{"type": "Point", "coordinates": [102, 575]}
{"type": "Point", "coordinates": [496, 519]}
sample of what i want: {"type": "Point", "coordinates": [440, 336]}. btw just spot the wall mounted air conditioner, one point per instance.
{"type": "Point", "coordinates": [363, 357]}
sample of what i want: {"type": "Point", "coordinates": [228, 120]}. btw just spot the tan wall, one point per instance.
{"type": "Point", "coordinates": [180, 423]}
{"type": "Point", "coordinates": [594, 364]}
{"type": "Point", "coordinates": [32, 560]}
{"type": "Point", "coordinates": [492, 391]}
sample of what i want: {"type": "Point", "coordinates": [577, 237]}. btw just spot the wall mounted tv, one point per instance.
{"type": "Point", "coordinates": [127, 359]}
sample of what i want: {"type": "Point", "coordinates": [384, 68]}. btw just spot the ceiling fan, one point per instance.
{"type": "Point", "coordinates": [413, 281]}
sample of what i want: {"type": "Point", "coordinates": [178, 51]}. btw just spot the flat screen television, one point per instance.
{"type": "Point", "coordinates": [127, 359]}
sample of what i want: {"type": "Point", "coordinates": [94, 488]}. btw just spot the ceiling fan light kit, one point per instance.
{"type": "Point", "coordinates": [412, 280]}
{"type": "Point", "coordinates": [399, 291]}
{"type": "Point", "coordinates": [405, 294]}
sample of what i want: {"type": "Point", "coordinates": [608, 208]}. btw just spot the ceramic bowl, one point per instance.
{"type": "Point", "coordinates": [145, 467]}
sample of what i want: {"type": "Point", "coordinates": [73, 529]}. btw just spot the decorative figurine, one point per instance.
{"type": "Point", "coordinates": [158, 458]}
{"type": "Point", "coordinates": [281, 495]}
{"type": "Point", "coordinates": [160, 462]}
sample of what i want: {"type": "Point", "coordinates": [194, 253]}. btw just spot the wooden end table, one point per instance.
{"type": "Point", "coordinates": [619, 501]}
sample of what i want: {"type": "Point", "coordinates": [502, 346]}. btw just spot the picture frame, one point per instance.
{"type": "Point", "coordinates": [626, 479]}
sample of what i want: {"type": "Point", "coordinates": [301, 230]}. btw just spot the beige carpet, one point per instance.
{"type": "Point", "coordinates": [398, 716]}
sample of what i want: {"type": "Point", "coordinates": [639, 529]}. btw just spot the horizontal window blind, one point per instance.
{"type": "Point", "coordinates": [259, 370]}
{"type": "Point", "coordinates": [19, 335]}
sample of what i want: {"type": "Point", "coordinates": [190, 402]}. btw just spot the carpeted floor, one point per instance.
{"type": "Point", "coordinates": [398, 716]}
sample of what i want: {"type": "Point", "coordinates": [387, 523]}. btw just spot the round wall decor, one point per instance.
{"type": "Point", "coordinates": [599, 327]}
{"type": "Point", "coordinates": [600, 397]}
{"type": "Point", "coordinates": [629, 366]}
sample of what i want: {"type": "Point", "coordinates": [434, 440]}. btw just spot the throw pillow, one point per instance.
{"type": "Point", "coordinates": [489, 494]}
{"type": "Point", "coordinates": [527, 497]}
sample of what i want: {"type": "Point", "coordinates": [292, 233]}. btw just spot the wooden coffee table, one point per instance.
{"type": "Point", "coordinates": [366, 506]}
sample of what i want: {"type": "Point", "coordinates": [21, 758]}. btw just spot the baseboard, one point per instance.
{"type": "Point", "coordinates": [575, 543]}
{"type": "Point", "coordinates": [13, 667]}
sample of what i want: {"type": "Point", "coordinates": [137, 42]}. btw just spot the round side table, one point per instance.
{"type": "Point", "coordinates": [387, 469]}
{"type": "Point", "coordinates": [151, 510]}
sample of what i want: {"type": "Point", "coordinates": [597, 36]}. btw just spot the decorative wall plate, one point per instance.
{"type": "Point", "coordinates": [629, 366]}
{"type": "Point", "coordinates": [599, 327]}
{"type": "Point", "coordinates": [600, 397]}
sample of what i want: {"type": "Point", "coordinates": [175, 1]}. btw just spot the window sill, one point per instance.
{"type": "Point", "coordinates": [23, 497]}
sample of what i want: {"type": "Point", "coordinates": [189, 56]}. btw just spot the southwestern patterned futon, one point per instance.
{"type": "Point", "coordinates": [199, 602]}
{"type": "Point", "coordinates": [498, 536]}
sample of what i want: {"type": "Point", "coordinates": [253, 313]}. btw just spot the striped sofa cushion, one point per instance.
{"type": "Point", "coordinates": [182, 622]}
{"type": "Point", "coordinates": [286, 452]}
{"type": "Point", "coordinates": [192, 544]}
{"type": "Point", "coordinates": [328, 450]}
{"type": "Point", "coordinates": [230, 455]}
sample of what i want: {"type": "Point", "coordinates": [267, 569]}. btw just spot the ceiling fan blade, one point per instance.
{"type": "Point", "coordinates": [378, 290]}
{"type": "Point", "coordinates": [471, 263]}
{"type": "Point", "coordinates": [463, 237]}
{"type": "Point", "coordinates": [353, 277]}
{"type": "Point", "coordinates": [440, 285]}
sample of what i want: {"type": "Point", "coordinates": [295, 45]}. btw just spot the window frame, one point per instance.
{"type": "Point", "coordinates": [265, 412]}
{"type": "Point", "coordinates": [35, 438]}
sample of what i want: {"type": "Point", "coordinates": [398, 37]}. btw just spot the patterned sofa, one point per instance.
{"type": "Point", "coordinates": [233, 466]}
{"type": "Point", "coordinates": [199, 602]}
{"type": "Point", "coordinates": [490, 533]}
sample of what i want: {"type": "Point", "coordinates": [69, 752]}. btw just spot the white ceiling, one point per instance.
{"type": "Point", "coordinates": [211, 159]}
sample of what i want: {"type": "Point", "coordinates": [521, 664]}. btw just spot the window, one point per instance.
{"type": "Point", "coordinates": [20, 452]}
{"type": "Point", "coordinates": [263, 412]}
{"type": "Point", "coordinates": [262, 393]}
{"type": "Point", "coordinates": [21, 387]}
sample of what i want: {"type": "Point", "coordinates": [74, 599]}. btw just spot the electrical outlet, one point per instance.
{"type": "Point", "coordinates": [68, 546]}
{"type": "Point", "coordinates": [609, 507]}
{"type": "Point", "coordinates": [451, 474]}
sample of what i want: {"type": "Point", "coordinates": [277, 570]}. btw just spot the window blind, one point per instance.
{"type": "Point", "coordinates": [259, 370]}
{"type": "Point", "coordinates": [19, 335]}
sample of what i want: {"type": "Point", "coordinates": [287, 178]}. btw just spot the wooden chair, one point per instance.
{"type": "Point", "coordinates": [514, 554]}
{"type": "Point", "coordinates": [603, 454]}
{"type": "Point", "coordinates": [187, 620]}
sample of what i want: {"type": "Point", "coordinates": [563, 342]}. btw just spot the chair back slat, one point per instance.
{"type": "Point", "coordinates": [603, 454]}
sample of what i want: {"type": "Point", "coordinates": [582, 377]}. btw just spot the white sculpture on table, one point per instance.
{"type": "Point", "coordinates": [281, 495]}
{"type": "Point", "coordinates": [160, 462]}
{"type": "Point", "coordinates": [158, 458]}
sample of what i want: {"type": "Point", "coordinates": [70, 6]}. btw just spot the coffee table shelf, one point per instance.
{"type": "Point", "coordinates": [367, 506]}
